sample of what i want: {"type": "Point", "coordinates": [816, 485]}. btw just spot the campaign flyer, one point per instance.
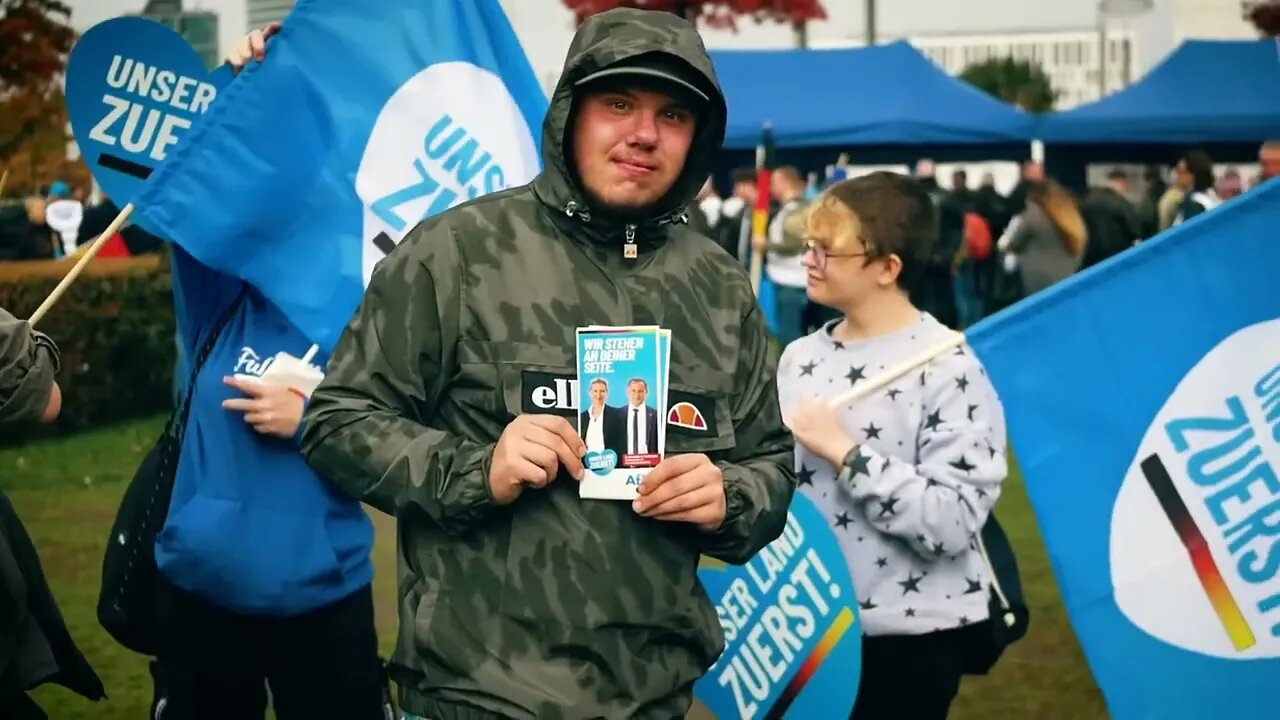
{"type": "Point", "coordinates": [622, 390]}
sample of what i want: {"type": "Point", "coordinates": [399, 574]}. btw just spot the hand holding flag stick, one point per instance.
{"type": "Point", "coordinates": [80, 265]}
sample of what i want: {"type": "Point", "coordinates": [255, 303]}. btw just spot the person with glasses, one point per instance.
{"type": "Point", "coordinates": [908, 474]}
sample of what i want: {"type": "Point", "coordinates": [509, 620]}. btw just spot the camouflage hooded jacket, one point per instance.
{"type": "Point", "coordinates": [28, 363]}
{"type": "Point", "coordinates": [553, 606]}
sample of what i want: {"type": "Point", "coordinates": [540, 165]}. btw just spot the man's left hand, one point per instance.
{"type": "Point", "coordinates": [270, 409]}
{"type": "Point", "coordinates": [684, 488]}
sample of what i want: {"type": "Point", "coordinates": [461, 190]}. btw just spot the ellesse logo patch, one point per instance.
{"type": "Point", "coordinates": [691, 414]}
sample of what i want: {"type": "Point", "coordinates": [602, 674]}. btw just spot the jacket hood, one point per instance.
{"type": "Point", "coordinates": [604, 40]}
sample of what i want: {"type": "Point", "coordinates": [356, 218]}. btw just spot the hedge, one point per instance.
{"type": "Point", "coordinates": [115, 329]}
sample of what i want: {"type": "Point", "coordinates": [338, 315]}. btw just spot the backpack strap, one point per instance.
{"type": "Point", "coordinates": [178, 423]}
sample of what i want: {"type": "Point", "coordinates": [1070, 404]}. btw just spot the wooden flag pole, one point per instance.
{"type": "Point", "coordinates": [80, 265]}
{"type": "Point", "coordinates": [861, 390]}
{"type": "Point", "coordinates": [4, 180]}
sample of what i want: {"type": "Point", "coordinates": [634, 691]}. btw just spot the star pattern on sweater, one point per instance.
{"type": "Point", "coordinates": [804, 476]}
{"type": "Point", "coordinates": [911, 584]}
{"type": "Point", "coordinates": [855, 374]}
{"type": "Point", "coordinates": [905, 425]}
{"type": "Point", "coordinates": [888, 507]}
{"type": "Point", "coordinates": [859, 464]}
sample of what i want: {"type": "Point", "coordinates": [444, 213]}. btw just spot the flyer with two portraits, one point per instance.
{"type": "Point", "coordinates": [622, 403]}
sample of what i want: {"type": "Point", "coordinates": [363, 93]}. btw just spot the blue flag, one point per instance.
{"type": "Point", "coordinates": [1143, 402]}
{"type": "Point", "coordinates": [363, 119]}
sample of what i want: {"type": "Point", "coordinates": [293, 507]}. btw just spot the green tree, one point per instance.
{"type": "Point", "coordinates": [1018, 82]}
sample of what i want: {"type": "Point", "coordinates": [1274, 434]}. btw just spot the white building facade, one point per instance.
{"type": "Point", "coordinates": [261, 12]}
{"type": "Point", "coordinates": [1072, 59]}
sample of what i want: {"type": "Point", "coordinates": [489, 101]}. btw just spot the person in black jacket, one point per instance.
{"type": "Point", "coordinates": [1112, 220]}
{"type": "Point", "coordinates": [35, 647]}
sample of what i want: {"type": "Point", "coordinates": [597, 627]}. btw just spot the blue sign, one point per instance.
{"type": "Point", "coordinates": [134, 89]}
{"type": "Point", "coordinates": [322, 156]}
{"type": "Point", "coordinates": [1143, 402]}
{"type": "Point", "coordinates": [793, 644]}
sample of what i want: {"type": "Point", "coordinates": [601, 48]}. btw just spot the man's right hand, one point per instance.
{"type": "Point", "coordinates": [530, 452]}
{"type": "Point", "coordinates": [253, 45]}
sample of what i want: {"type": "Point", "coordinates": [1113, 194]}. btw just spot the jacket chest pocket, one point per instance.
{"type": "Point", "coordinates": [518, 378]}
{"type": "Point", "coordinates": [700, 412]}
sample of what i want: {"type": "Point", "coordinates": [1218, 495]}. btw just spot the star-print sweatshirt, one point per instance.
{"type": "Point", "coordinates": [929, 462]}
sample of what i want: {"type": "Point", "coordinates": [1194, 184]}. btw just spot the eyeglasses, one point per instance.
{"type": "Point", "coordinates": [820, 255]}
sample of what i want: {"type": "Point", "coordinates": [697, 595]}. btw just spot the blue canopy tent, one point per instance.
{"type": "Point", "coordinates": [885, 103]}
{"type": "Point", "coordinates": [1220, 95]}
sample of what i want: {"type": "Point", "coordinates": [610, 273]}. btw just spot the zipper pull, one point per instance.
{"type": "Point", "coordinates": [630, 251]}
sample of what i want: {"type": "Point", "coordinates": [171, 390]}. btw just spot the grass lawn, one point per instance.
{"type": "Point", "coordinates": [66, 493]}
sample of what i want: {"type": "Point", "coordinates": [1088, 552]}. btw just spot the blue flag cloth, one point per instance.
{"type": "Point", "coordinates": [1143, 402]}
{"type": "Point", "coordinates": [363, 119]}
{"type": "Point", "coordinates": [768, 305]}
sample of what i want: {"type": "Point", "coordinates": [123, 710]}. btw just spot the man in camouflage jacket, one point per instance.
{"type": "Point", "coordinates": [448, 404]}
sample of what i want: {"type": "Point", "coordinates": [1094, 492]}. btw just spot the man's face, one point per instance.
{"type": "Point", "coordinates": [1269, 159]}
{"type": "Point", "coordinates": [637, 392]}
{"type": "Point", "coordinates": [630, 145]}
{"type": "Point", "coordinates": [746, 191]}
{"type": "Point", "coordinates": [598, 393]}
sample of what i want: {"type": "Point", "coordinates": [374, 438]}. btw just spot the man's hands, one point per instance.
{"type": "Point", "coordinates": [530, 452]}
{"type": "Point", "coordinates": [533, 448]}
{"type": "Point", "coordinates": [269, 409]}
{"type": "Point", "coordinates": [251, 46]}
{"type": "Point", "coordinates": [684, 488]}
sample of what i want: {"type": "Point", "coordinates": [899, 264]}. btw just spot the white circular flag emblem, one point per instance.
{"type": "Point", "coordinates": [450, 134]}
{"type": "Point", "coordinates": [1195, 534]}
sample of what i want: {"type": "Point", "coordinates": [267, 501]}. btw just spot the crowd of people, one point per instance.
{"type": "Point", "coordinates": [60, 219]}
{"type": "Point", "coordinates": [517, 598]}
{"type": "Point", "coordinates": [994, 249]}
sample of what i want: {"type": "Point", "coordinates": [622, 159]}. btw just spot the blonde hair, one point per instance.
{"type": "Point", "coordinates": [831, 224]}
{"type": "Point", "coordinates": [1061, 208]}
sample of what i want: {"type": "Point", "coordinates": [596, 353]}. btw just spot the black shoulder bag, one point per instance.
{"type": "Point", "coordinates": [126, 600]}
{"type": "Point", "coordinates": [1010, 616]}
